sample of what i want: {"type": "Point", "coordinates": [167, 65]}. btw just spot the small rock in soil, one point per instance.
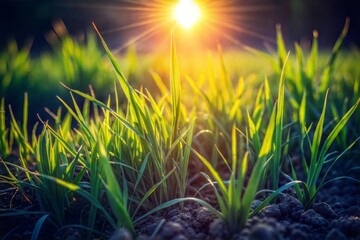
{"type": "Point", "coordinates": [272, 222]}
{"type": "Point", "coordinates": [69, 234]}
{"type": "Point", "coordinates": [272, 211]}
{"type": "Point", "coordinates": [218, 230]}
{"type": "Point", "coordinates": [190, 232]}
{"type": "Point", "coordinates": [253, 221]}
{"type": "Point", "coordinates": [197, 225]}
{"type": "Point", "coordinates": [204, 216]}
{"type": "Point", "coordinates": [290, 206]}
{"type": "Point", "coordinates": [200, 236]}
{"type": "Point", "coordinates": [142, 237]}
{"type": "Point", "coordinates": [325, 210]}
{"type": "Point", "coordinates": [298, 235]}
{"type": "Point", "coordinates": [239, 237]}
{"type": "Point", "coordinates": [299, 226]}
{"type": "Point", "coordinates": [350, 226]}
{"type": "Point", "coordinates": [334, 202]}
{"type": "Point", "coordinates": [246, 232]}
{"type": "Point", "coordinates": [354, 211]}
{"type": "Point", "coordinates": [184, 216]}
{"type": "Point", "coordinates": [181, 222]}
{"type": "Point", "coordinates": [171, 229]}
{"type": "Point", "coordinates": [296, 214]}
{"type": "Point", "coordinates": [313, 218]}
{"type": "Point", "coordinates": [203, 220]}
{"type": "Point", "coordinates": [335, 234]}
{"type": "Point", "coordinates": [121, 234]}
{"type": "Point", "coordinates": [285, 223]}
{"type": "Point", "coordinates": [180, 237]}
{"type": "Point", "coordinates": [263, 232]}
{"type": "Point", "coordinates": [173, 213]}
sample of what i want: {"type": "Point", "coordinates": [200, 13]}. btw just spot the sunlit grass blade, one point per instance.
{"type": "Point", "coordinates": [175, 89]}
{"type": "Point", "coordinates": [281, 46]}
{"type": "Point", "coordinates": [316, 142]}
{"type": "Point", "coordinates": [115, 114]}
{"type": "Point", "coordinates": [313, 58]}
{"type": "Point", "coordinates": [254, 135]}
{"type": "Point", "coordinates": [330, 139]}
{"type": "Point", "coordinates": [325, 78]}
{"type": "Point", "coordinates": [275, 163]}
{"type": "Point", "coordinates": [213, 172]}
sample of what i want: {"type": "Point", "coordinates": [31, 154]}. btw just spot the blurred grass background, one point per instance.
{"type": "Point", "coordinates": [37, 51]}
{"type": "Point", "coordinates": [79, 62]}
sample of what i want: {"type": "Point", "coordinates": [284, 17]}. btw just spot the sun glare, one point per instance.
{"type": "Point", "coordinates": [205, 22]}
{"type": "Point", "coordinates": [187, 13]}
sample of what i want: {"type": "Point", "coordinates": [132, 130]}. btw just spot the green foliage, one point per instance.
{"type": "Point", "coordinates": [236, 195]}
{"type": "Point", "coordinates": [50, 160]}
{"type": "Point", "coordinates": [129, 155]}
{"type": "Point", "coordinates": [5, 142]}
{"type": "Point", "coordinates": [15, 66]}
{"type": "Point", "coordinates": [319, 155]}
{"type": "Point", "coordinates": [223, 107]}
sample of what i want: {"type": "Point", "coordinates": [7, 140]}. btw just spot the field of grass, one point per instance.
{"type": "Point", "coordinates": [242, 122]}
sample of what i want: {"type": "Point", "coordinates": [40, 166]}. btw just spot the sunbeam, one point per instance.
{"type": "Point", "coordinates": [201, 20]}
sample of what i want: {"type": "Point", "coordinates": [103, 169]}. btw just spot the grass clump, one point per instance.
{"type": "Point", "coordinates": [319, 147]}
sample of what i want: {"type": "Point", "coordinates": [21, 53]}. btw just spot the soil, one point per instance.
{"type": "Point", "coordinates": [334, 215]}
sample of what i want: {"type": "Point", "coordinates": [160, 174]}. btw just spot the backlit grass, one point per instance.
{"type": "Point", "coordinates": [128, 155]}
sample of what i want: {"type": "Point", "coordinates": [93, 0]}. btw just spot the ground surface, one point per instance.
{"type": "Point", "coordinates": [334, 215]}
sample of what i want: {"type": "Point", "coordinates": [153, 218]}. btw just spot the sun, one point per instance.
{"type": "Point", "coordinates": [187, 13]}
{"type": "Point", "coordinates": [203, 22]}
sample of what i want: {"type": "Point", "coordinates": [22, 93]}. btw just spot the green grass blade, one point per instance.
{"type": "Point", "coordinates": [316, 145]}
{"type": "Point", "coordinates": [175, 88]}
{"type": "Point", "coordinates": [325, 78]}
{"type": "Point", "coordinates": [113, 192]}
{"type": "Point", "coordinates": [312, 61]}
{"type": "Point", "coordinates": [336, 159]}
{"type": "Point", "coordinates": [213, 172]}
{"type": "Point", "coordinates": [281, 46]}
{"type": "Point", "coordinates": [36, 232]}
{"type": "Point", "coordinates": [275, 164]}
{"type": "Point", "coordinates": [273, 195]}
{"type": "Point", "coordinates": [339, 126]}
{"type": "Point", "coordinates": [267, 145]}
{"type": "Point", "coordinates": [254, 135]}
{"type": "Point", "coordinates": [152, 190]}
{"type": "Point", "coordinates": [25, 116]}
{"type": "Point", "coordinates": [115, 114]}
{"type": "Point", "coordinates": [331, 138]}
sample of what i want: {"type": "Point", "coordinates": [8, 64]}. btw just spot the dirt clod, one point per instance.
{"type": "Point", "coordinates": [335, 234]}
{"type": "Point", "coordinates": [263, 232]}
{"type": "Point", "coordinates": [313, 218]}
{"type": "Point", "coordinates": [121, 234]}
{"type": "Point", "coordinates": [325, 210]}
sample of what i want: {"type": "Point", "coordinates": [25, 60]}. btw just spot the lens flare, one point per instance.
{"type": "Point", "coordinates": [206, 22]}
{"type": "Point", "coordinates": [187, 13]}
